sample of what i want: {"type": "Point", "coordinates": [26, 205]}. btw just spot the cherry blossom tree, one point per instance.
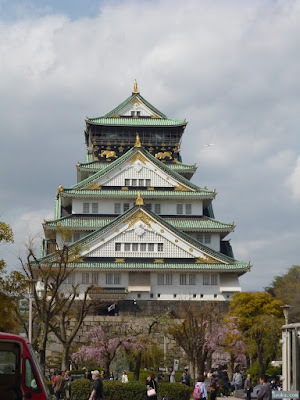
{"type": "Point", "coordinates": [102, 349]}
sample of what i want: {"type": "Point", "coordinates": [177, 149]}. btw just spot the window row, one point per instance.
{"type": "Point", "coordinates": [139, 246]}
{"type": "Point", "coordinates": [111, 278]}
{"type": "Point", "coordinates": [181, 209]}
{"type": "Point", "coordinates": [187, 279]}
{"type": "Point", "coordinates": [137, 182]}
{"type": "Point", "coordinates": [204, 238]}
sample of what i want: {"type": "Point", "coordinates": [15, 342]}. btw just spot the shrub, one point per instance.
{"type": "Point", "coordinates": [49, 384]}
{"type": "Point", "coordinates": [114, 390]}
{"type": "Point", "coordinates": [174, 391]}
{"type": "Point", "coordinates": [81, 389]}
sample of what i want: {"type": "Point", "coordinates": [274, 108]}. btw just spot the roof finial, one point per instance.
{"type": "Point", "coordinates": [137, 141]}
{"type": "Point", "coordinates": [135, 88]}
{"type": "Point", "coordinates": [139, 199]}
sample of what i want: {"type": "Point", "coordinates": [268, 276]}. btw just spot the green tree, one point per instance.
{"type": "Point", "coordinates": [258, 317]}
{"type": "Point", "coordinates": [287, 288]}
{"type": "Point", "coordinates": [7, 322]}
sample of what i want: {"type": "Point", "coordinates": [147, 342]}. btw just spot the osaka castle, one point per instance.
{"type": "Point", "coordinates": [144, 231]}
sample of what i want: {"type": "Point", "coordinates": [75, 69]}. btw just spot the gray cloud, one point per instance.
{"type": "Point", "coordinates": [231, 68]}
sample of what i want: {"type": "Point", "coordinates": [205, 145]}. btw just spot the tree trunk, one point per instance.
{"type": "Point", "coordinates": [65, 360]}
{"type": "Point", "coordinates": [42, 356]}
{"type": "Point", "coordinates": [138, 366]}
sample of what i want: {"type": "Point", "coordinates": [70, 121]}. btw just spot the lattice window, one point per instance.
{"type": "Point", "coordinates": [149, 206]}
{"type": "Point", "coordinates": [71, 279]}
{"type": "Point", "coordinates": [127, 247]}
{"type": "Point", "coordinates": [179, 208]}
{"type": "Point", "coordinates": [126, 206]}
{"type": "Point", "coordinates": [150, 246]}
{"type": "Point", "coordinates": [192, 279]}
{"type": "Point", "coordinates": [183, 279]}
{"type": "Point", "coordinates": [160, 247]}
{"type": "Point", "coordinates": [85, 278]}
{"type": "Point", "coordinates": [117, 208]}
{"type": "Point", "coordinates": [86, 208]}
{"type": "Point", "coordinates": [157, 208]}
{"type": "Point", "coordinates": [76, 236]}
{"type": "Point", "coordinates": [188, 209]}
{"type": "Point", "coordinates": [95, 208]}
{"type": "Point", "coordinates": [94, 277]}
{"type": "Point", "coordinates": [207, 238]}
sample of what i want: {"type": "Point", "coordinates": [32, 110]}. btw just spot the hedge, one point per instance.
{"type": "Point", "coordinates": [115, 390]}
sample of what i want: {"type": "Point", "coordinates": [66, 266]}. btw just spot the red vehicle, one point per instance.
{"type": "Point", "coordinates": [20, 374]}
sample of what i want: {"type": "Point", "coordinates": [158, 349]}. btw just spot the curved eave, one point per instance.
{"type": "Point", "coordinates": [136, 122]}
{"type": "Point", "coordinates": [132, 194]}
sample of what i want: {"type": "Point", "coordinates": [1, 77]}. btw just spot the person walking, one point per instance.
{"type": "Point", "coordinates": [59, 384]}
{"type": "Point", "coordinates": [200, 391]}
{"type": "Point", "coordinates": [187, 377]}
{"type": "Point", "coordinates": [97, 389]}
{"type": "Point", "coordinates": [225, 383]}
{"type": "Point", "coordinates": [171, 375]}
{"type": "Point", "coordinates": [124, 378]}
{"type": "Point", "coordinates": [237, 381]}
{"type": "Point", "coordinates": [151, 387]}
{"type": "Point", "coordinates": [213, 388]}
{"type": "Point", "coordinates": [248, 388]}
{"type": "Point", "coordinates": [68, 380]}
{"type": "Point", "coordinates": [265, 392]}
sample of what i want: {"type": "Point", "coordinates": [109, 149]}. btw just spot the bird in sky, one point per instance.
{"type": "Point", "coordinates": [209, 145]}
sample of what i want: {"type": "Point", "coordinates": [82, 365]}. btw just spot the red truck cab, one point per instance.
{"type": "Point", "coordinates": [20, 374]}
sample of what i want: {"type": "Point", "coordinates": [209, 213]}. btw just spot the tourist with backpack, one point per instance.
{"type": "Point", "coordinates": [213, 388]}
{"type": "Point", "coordinates": [200, 391]}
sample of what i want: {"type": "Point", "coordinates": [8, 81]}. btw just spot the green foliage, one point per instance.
{"type": "Point", "coordinates": [115, 390]}
{"type": "Point", "coordinates": [81, 389]}
{"type": "Point", "coordinates": [175, 391]}
{"type": "Point", "coordinates": [287, 288]}
{"type": "Point", "coordinates": [49, 384]}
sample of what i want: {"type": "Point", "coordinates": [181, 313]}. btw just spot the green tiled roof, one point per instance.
{"type": "Point", "coordinates": [148, 155]}
{"type": "Point", "coordinates": [132, 194]}
{"type": "Point", "coordinates": [238, 267]}
{"type": "Point", "coordinates": [136, 122]}
{"type": "Point", "coordinates": [96, 222]}
{"type": "Point", "coordinates": [84, 241]}
{"type": "Point", "coordinates": [110, 119]}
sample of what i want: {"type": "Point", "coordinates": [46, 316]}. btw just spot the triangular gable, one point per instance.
{"type": "Point", "coordinates": [138, 226]}
{"type": "Point", "coordinates": [134, 101]}
{"type": "Point", "coordinates": [138, 163]}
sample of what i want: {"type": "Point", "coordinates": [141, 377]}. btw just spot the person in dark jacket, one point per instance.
{"type": "Point", "coordinates": [151, 384]}
{"type": "Point", "coordinates": [248, 388]}
{"type": "Point", "coordinates": [225, 383]}
{"type": "Point", "coordinates": [97, 389]}
{"type": "Point", "coordinates": [265, 392]}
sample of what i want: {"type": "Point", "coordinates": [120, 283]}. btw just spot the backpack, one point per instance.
{"type": "Point", "coordinates": [197, 393]}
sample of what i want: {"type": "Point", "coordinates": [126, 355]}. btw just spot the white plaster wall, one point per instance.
{"type": "Point", "coordinates": [215, 240]}
{"type": "Point", "coordinates": [108, 249]}
{"type": "Point", "coordinates": [168, 207]}
{"type": "Point", "coordinates": [144, 173]}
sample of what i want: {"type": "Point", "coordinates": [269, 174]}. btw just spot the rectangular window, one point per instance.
{"type": "Point", "coordinates": [168, 279]}
{"type": "Point", "coordinates": [127, 182]}
{"type": "Point", "coordinates": [132, 113]}
{"type": "Point", "coordinates": [141, 182]}
{"type": "Point", "coordinates": [206, 279]}
{"type": "Point", "coordinates": [149, 206]}
{"type": "Point", "coordinates": [138, 113]}
{"type": "Point", "coordinates": [127, 246]}
{"type": "Point", "coordinates": [117, 246]}
{"type": "Point", "coordinates": [125, 207]}
{"type": "Point", "coordinates": [188, 209]}
{"type": "Point", "coordinates": [117, 279]}
{"type": "Point", "coordinates": [117, 208]}
{"type": "Point", "coordinates": [179, 208]}
{"type": "Point", "coordinates": [85, 278]}
{"type": "Point", "coordinates": [109, 278]}
{"type": "Point", "coordinates": [94, 277]}
{"type": "Point", "coordinates": [76, 236]}
{"type": "Point", "coordinates": [148, 182]}
{"type": "Point", "coordinates": [192, 279]}
{"type": "Point", "coordinates": [86, 208]}
{"type": "Point", "coordinates": [160, 279]}
{"type": "Point", "coordinates": [160, 247]}
{"type": "Point", "coordinates": [143, 246]}
{"type": "Point", "coordinates": [134, 182]}
{"type": "Point", "coordinates": [157, 208]}
{"type": "Point", "coordinates": [150, 246]}
{"type": "Point", "coordinates": [214, 279]}
{"type": "Point", "coordinates": [182, 279]}
{"type": "Point", "coordinates": [135, 247]}
{"type": "Point", "coordinates": [200, 237]}
{"type": "Point", "coordinates": [207, 239]}
{"type": "Point", "coordinates": [71, 279]}
{"type": "Point", "coordinates": [95, 208]}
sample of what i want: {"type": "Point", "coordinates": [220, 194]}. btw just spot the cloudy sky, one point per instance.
{"type": "Point", "coordinates": [231, 68]}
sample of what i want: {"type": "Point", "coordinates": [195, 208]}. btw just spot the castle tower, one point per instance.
{"type": "Point", "coordinates": [144, 230]}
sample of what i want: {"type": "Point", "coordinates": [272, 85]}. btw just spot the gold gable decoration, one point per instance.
{"type": "Point", "coordinates": [139, 216]}
{"type": "Point", "coordinates": [138, 156]}
{"type": "Point", "coordinates": [206, 260]}
{"type": "Point", "coordinates": [182, 188]}
{"type": "Point", "coordinates": [135, 87]}
{"type": "Point", "coordinates": [137, 141]}
{"type": "Point", "coordinates": [139, 199]}
{"type": "Point", "coordinates": [93, 186]}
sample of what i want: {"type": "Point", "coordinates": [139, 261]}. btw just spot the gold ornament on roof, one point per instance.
{"type": "Point", "coordinates": [135, 87]}
{"type": "Point", "coordinates": [139, 199]}
{"type": "Point", "coordinates": [137, 141]}
{"type": "Point", "coordinates": [59, 189]}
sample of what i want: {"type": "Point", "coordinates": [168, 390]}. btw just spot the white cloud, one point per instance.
{"type": "Point", "coordinates": [293, 181]}
{"type": "Point", "coordinates": [231, 68]}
